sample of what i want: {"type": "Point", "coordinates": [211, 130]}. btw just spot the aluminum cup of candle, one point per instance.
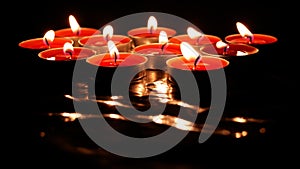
{"type": "Point", "coordinates": [243, 58]}
{"type": "Point", "coordinates": [105, 67]}
{"type": "Point", "coordinates": [143, 35]}
{"type": "Point", "coordinates": [76, 35]}
{"type": "Point", "coordinates": [99, 43]}
{"type": "Point", "coordinates": [208, 66]}
{"type": "Point", "coordinates": [197, 42]}
{"type": "Point", "coordinates": [157, 54]}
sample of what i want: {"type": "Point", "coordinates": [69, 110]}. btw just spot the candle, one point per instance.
{"type": "Point", "coordinates": [158, 54]}
{"type": "Point", "coordinates": [201, 66]}
{"type": "Point", "coordinates": [149, 34]}
{"type": "Point", "coordinates": [48, 41]}
{"type": "Point", "coordinates": [247, 37]}
{"type": "Point", "coordinates": [66, 53]}
{"type": "Point", "coordinates": [76, 31]}
{"type": "Point", "coordinates": [222, 49]}
{"type": "Point", "coordinates": [99, 42]}
{"type": "Point", "coordinates": [195, 38]}
{"type": "Point", "coordinates": [131, 65]}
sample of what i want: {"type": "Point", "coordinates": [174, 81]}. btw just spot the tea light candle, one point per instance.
{"type": "Point", "coordinates": [99, 42]}
{"type": "Point", "coordinates": [222, 49]}
{"type": "Point", "coordinates": [195, 38]}
{"type": "Point", "coordinates": [199, 65]}
{"type": "Point", "coordinates": [66, 53]}
{"type": "Point", "coordinates": [48, 41]}
{"type": "Point", "coordinates": [158, 54]}
{"type": "Point", "coordinates": [247, 37]}
{"type": "Point", "coordinates": [75, 31]}
{"type": "Point", "coordinates": [106, 65]}
{"type": "Point", "coordinates": [149, 34]}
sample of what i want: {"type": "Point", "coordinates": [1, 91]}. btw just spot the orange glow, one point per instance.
{"type": "Point", "coordinates": [188, 52]}
{"type": "Point", "coordinates": [68, 48]}
{"type": "Point", "coordinates": [49, 37]}
{"type": "Point", "coordinates": [239, 119]}
{"type": "Point", "coordinates": [243, 30]}
{"type": "Point", "coordinates": [108, 32]}
{"type": "Point", "coordinates": [113, 50]}
{"type": "Point", "coordinates": [152, 24]}
{"type": "Point", "coordinates": [221, 44]}
{"type": "Point", "coordinates": [163, 37]}
{"type": "Point", "coordinates": [193, 33]}
{"type": "Point", "coordinates": [74, 25]}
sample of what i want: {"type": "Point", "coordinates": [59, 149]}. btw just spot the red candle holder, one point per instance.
{"type": "Point", "coordinates": [245, 36]}
{"type": "Point", "coordinates": [39, 44]}
{"type": "Point", "coordinates": [196, 42]}
{"type": "Point", "coordinates": [58, 54]}
{"type": "Point", "coordinates": [142, 35]}
{"type": "Point", "coordinates": [99, 43]}
{"type": "Point", "coordinates": [258, 39]}
{"type": "Point", "coordinates": [206, 67]}
{"type": "Point", "coordinates": [230, 50]}
{"type": "Point", "coordinates": [157, 54]}
{"type": "Point", "coordinates": [106, 66]}
{"type": "Point", "coordinates": [75, 36]}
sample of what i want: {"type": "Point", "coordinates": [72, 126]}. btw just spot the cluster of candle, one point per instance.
{"type": "Point", "coordinates": [157, 47]}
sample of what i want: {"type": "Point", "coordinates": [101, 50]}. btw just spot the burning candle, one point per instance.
{"type": "Point", "coordinates": [99, 42]}
{"type": "Point", "coordinates": [158, 54]}
{"type": "Point", "coordinates": [76, 31]}
{"type": "Point", "coordinates": [195, 38]}
{"type": "Point", "coordinates": [247, 37]}
{"type": "Point", "coordinates": [108, 63]}
{"type": "Point", "coordinates": [201, 66]}
{"type": "Point", "coordinates": [149, 34]}
{"type": "Point", "coordinates": [222, 49]}
{"type": "Point", "coordinates": [66, 53]}
{"type": "Point", "coordinates": [48, 41]}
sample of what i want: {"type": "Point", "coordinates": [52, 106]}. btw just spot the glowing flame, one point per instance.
{"type": "Point", "coordinates": [152, 24]}
{"type": "Point", "coordinates": [188, 51]}
{"type": "Point", "coordinates": [49, 37]}
{"type": "Point", "coordinates": [163, 37]}
{"type": "Point", "coordinates": [108, 32]}
{"type": "Point", "coordinates": [243, 30]}
{"type": "Point", "coordinates": [68, 48]}
{"type": "Point", "coordinates": [241, 53]}
{"type": "Point", "coordinates": [74, 25]}
{"type": "Point", "coordinates": [193, 33]}
{"type": "Point", "coordinates": [221, 44]}
{"type": "Point", "coordinates": [113, 50]}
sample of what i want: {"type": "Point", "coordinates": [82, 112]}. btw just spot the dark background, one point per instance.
{"type": "Point", "coordinates": [32, 90]}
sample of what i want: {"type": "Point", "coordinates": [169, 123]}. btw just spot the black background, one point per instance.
{"type": "Point", "coordinates": [29, 88]}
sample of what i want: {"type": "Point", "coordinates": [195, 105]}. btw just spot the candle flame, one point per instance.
{"type": "Point", "coordinates": [163, 37]}
{"type": "Point", "coordinates": [243, 30]}
{"type": "Point", "coordinates": [113, 50]}
{"type": "Point", "coordinates": [68, 48]}
{"type": "Point", "coordinates": [221, 44]}
{"type": "Point", "coordinates": [152, 24]}
{"type": "Point", "coordinates": [49, 37]}
{"type": "Point", "coordinates": [188, 51]}
{"type": "Point", "coordinates": [74, 25]}
{"type": "Point", "coordinates": [193, 33]}
{"type": "Point", "coordinates": [108, 32]}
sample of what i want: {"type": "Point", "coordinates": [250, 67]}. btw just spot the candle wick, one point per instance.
{"type": "Point", "coordinates": [115, 57]}
{"type": "Point", "coordinates": [198, 40]}
{"type": "Point", "coordinates": [47, 43]}
{"type": "Point", "coordinates": [250, 39]}
{"type": "Point", "coordinates": [163, 46]}
{"type": "Point", "coordinates": [196, 61]}
{"type": "Point", "coordinates": [70, 53]}
{"type": "Point", "coordinates": [151, 29]}
{"type": "Point", "coordinates": [107, 38]}
{"type": "Point", "coordinates": [225, 50]}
